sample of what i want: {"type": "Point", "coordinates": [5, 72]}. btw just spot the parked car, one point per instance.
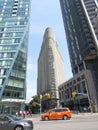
{"type": "Point", "coordinates": [11, 122]}
{"type": "Point", "coordinates": [57, 113]}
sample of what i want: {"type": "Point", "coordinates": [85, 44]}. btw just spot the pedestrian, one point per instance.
{"type": "Point", "coordinates": [16, 113]}
{"type": "Point", "coordinates": [24, 114]}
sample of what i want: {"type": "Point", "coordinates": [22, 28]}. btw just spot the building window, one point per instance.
{"type": "Point", "coordinates": [74, 81]}
{"type": "Point", "coordinates": [78, 79]}
{"type": "Point", "coordinates": [17, 40]}
{"type": "Point", "coordinates": [78, 87]}
{"type": "Point", "coordinates": [84, 87]}
{"type": "Point", "coordinates": [82, 76]}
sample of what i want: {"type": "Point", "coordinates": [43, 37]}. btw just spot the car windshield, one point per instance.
{"type": "Point", "coordinates": [14, 117]}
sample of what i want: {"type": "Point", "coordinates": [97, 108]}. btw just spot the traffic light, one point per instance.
{"type": "Point", "coordinates": [48, 95]}
{"type": "Point", "coordinates": [40, 96]}
{"type": "Point", "coordinates": [73, 94]}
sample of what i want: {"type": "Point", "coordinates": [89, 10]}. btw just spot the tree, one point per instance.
{"type": "Point", "coordinates": [34, 105]}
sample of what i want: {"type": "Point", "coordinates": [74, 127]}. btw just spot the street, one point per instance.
{"type": "Point", "coordinates": [77, 122]}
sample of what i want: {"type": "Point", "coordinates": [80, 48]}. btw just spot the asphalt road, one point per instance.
{"type": "Point", "coordinates": [77, 122]}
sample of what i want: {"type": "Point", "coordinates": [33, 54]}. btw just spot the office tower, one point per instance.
{"type": "Point", "coordinates": [82, 37]}
{"type": "Point", "coordinates": [50, 70]}
{"type": "Point", "coordinates": [14, 23]}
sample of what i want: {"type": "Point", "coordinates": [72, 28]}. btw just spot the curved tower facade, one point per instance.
{"type": "Point", "coordinates": [50, 69]}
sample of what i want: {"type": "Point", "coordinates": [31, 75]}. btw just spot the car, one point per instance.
{"type": "Point", "coordinates": [57, 113]}
{"type": "Point", "coordinates": [11, 122]}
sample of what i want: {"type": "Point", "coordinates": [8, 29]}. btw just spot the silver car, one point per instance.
{"type": "Point", "coordinates": [11, 122]}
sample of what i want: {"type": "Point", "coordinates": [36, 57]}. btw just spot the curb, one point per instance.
{"type": "Point", "coordinates": [85, 114]}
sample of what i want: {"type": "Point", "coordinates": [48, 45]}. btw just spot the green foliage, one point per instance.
{"type": "Point", "coordinates": [34, 105]}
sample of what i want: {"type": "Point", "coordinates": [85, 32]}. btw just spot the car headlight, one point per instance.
{"type": "Point", "coordinates": [25, 123]}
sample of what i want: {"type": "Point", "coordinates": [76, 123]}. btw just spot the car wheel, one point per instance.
{"type": "Point", "coordinates": [46, 118]}
{"type": "Point", "coordinates": [65, 117]}
{"type": "Point", "coordinates": [18, 128]}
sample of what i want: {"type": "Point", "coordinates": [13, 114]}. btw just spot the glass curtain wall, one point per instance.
{"type": "Point", "coordinates": [14, 27]}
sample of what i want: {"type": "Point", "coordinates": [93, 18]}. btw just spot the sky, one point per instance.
{"type": "Point", "coordinates": [43, 14]}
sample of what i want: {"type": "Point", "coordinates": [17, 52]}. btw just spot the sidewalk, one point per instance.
{"type": "Point", "coordinates": [33, 116]}
{"type": "Point", "coordinates": [84, 114]}
{"type": "Point", "coordinates": [73, 115]}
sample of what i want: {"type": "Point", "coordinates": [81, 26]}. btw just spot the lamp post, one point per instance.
{"type": "Point", "coordinates": [89, 99]}
{"type": "Point", "coordinates": [73, 95]}
{"type": "Point", "coordinates": [40, 104]}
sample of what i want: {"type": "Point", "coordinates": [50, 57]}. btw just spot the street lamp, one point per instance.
{"type": "Point", "coordinates": [74, 95]}
{"type": "Point", "coordinates": [89, 99]}
{"type": "Point", "coordinates": [40, 96]}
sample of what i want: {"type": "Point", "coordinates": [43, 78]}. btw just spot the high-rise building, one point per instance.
{"type": "Point", "coordinates": [82, 37]}
{"type": "Point", "coordinates": [14, 27]}
{"type": "Point", "coordinates": [50, 70]}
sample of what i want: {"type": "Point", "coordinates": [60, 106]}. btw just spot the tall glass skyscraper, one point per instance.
{"type": "Point", "coordinates": [14, 27]}
{"type": "Point", "coordinates": [82, 36]}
